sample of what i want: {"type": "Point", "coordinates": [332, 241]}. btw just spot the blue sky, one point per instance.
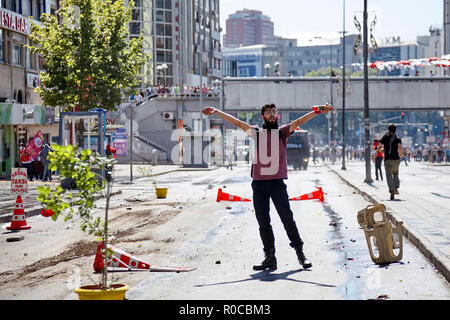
{"type": "Point", "coordinates": [305, 19]}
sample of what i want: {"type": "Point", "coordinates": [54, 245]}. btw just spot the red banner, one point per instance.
{"type": "Point", "coordinates": [35, 146]}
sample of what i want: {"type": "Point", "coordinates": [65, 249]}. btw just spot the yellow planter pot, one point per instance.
{"type": "Point", "coordinates": [161, 193]}
{"type": "Point", "coordinates": [92, 292]}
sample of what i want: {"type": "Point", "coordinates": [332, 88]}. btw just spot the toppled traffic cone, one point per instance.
{"type": "Point", "coordinates": [318, 194]}
{"type": "Point", "coordinates": [223, 196]}
{"type": "Point", "coordinates": [123, 259]}
{"type": "Point", "coordinates": [18, 221]}
{"type": "Point", "coordinates": [119, 259]}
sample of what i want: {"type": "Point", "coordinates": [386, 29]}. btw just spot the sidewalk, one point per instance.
{"type": "Point", "coordinates": [32, 206]}
{"type": "Point", "coordinates": [426, 224]}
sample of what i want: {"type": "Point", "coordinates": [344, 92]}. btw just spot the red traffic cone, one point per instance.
{"type": "Point", "coordinates": [18, 221]}
{"type": "Point", "coordinates": [223, 196]}
{"type": "Point", "coordinates": [120, 259]}
{"type": "Point", "coordinates": [318, 194]}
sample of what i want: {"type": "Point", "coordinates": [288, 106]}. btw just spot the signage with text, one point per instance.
{"type": "Point", "coordinates": [13, 21]}
{"type": "Point", "coordinates": [19, 180]}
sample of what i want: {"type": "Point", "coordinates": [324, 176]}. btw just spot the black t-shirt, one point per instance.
{"type": "Point", "coordinates": [390, 142]}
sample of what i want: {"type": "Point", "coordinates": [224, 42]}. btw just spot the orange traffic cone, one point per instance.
{"type": "Point", "coordinates": [318, 194]}
{"type": "Point", "coordinates": [18, 221]}
{"type": "Point", "coordinates": [223, 196]}
{"type": "Point", "coordinates": [120, 259]}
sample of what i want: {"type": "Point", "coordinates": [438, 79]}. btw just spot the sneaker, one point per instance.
{"type": "Point", "coordinates": [269, 263]}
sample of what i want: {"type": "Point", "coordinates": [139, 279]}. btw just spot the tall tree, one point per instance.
{"type": "Point", "coordinates": [89, 60]}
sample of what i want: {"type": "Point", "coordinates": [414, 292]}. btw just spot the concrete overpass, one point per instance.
{"type": "Point", "coordinates": [299, 94]}
{"type": "Point", "coordinates": [155, 120]}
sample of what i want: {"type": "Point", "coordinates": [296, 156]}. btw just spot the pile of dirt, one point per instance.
{"type": "Point", "coordinates": [77, 250]}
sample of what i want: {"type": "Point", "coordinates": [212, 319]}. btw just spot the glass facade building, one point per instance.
{"type": "Point", "coordinates": [175, 33]}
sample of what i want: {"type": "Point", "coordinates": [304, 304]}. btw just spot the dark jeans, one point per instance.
{"type": "Point", "coordinates": [30, 170]}
{"type": "Point", "coordinates": [263, 191]}
{"type": "Point", "coordinates": [378, 162]}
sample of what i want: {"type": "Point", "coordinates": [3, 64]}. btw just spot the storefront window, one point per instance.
{"type": "Point", "coordinates": [17, 55]}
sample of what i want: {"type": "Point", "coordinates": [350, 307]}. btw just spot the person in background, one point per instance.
{"type": "Point", "coordinates": [378, 159]}
{"type": "Point", "coordinates": [392, 154]}
{"type": "Point", "coordinates": [46, 174]}
{"type": "Point", "coordinates": [26, 162]}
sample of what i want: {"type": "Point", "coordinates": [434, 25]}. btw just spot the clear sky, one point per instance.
{"type": "Point", "coordinates": [306, 19]}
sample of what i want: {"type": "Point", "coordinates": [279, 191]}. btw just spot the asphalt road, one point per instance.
{"type": "Point", "coordinates": [342, 269]}
{"type": "Point", "coordinates": [221, 240]}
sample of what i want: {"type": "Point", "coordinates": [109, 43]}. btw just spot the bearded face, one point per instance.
{"type": "Point", "coordinates": [270, 118]}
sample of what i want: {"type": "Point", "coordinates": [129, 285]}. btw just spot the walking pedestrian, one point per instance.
{"type": "Point", "coordinates": [392, 154]}
{"type": "Point", "coordinates": [269, 169]}
{"type": "Point", "coordinates": [378, 159]}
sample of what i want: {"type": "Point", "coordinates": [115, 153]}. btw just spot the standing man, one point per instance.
{"type": "Point", "coordinates": [47, 174]}
{"type": "Point", "coordinates": [392, 154]}
{"type": "Point", "coordinates": [269, 168]}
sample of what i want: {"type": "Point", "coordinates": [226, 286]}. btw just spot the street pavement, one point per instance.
{"type": "Point", "coordinates": [122, 175]}
{"type": "Point", "coordinates": [423, 209]}
{"type": "Point", "coordinates": [423, 204]}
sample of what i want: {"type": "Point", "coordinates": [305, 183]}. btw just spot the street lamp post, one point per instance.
{"type": "Point", "coordinates": [330, 132]}
{"type": "Point", "coordinates": [277, 66]}
{"type": "Point", "coordinates": [366, 99]}
{"type": "Point", "coordinates": [343, 90]}
{"type": "Point", "coordinates": [158, 71]}
{"type": "Point", "coordinates": [267, 67]}
{"type": "Point", "coordinates": [164, 68]}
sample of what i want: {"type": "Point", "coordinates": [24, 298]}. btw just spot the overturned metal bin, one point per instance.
{"type": "Point", "coordinates": [381, 234]}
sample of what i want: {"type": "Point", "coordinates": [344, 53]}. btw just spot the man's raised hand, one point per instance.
{"type": "Point", "coordinates": [208, 111]}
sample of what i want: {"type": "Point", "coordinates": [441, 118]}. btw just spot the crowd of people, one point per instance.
{"type": "Point", "coordinates": [176, 91]}
{"type": "Point", "coordinates": [430, 153]}
{"type": "Point", "coordinates": [36, 168]}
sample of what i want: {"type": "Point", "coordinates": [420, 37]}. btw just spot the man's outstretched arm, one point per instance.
{"type": "Point", "coordinates": [238, 123]}
{"type": "Point", "coordinates": [305, 118]}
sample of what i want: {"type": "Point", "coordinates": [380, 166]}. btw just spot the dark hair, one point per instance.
{"type": "Point", "coordinates": [392, 127]}
{"type": "Point", "coordinates": [267, 106]}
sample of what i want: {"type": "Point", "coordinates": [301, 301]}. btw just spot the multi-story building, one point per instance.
{"type": "Point", "coordinates": [303, 59]}
{"type": "Point", "coordinates": [258, 60]}
{"type": "Point", "coordinates": [431, 45]}
{"type": "Point", "coordinates": [248, 27]}
{"type": "Point", "coordinates": [176, 33]}
{"type": "Point", "coordinates": [395, 50]}
{"type": "Point", "coordinates": [21, 113]}
{"type": "Point", "coordinates": [243, 61]}
{"type": "Point", "coordinates": [19, 70]}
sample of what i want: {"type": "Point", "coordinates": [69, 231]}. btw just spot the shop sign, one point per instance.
{"type": "Point", "coordinates": [19, 180]}
{"type": "Point", "coordinates": [33, 80]}
{"type": "Point", "coordinates": [26, 114]}
{"type": "Point", "coordinates": [13, 21]}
